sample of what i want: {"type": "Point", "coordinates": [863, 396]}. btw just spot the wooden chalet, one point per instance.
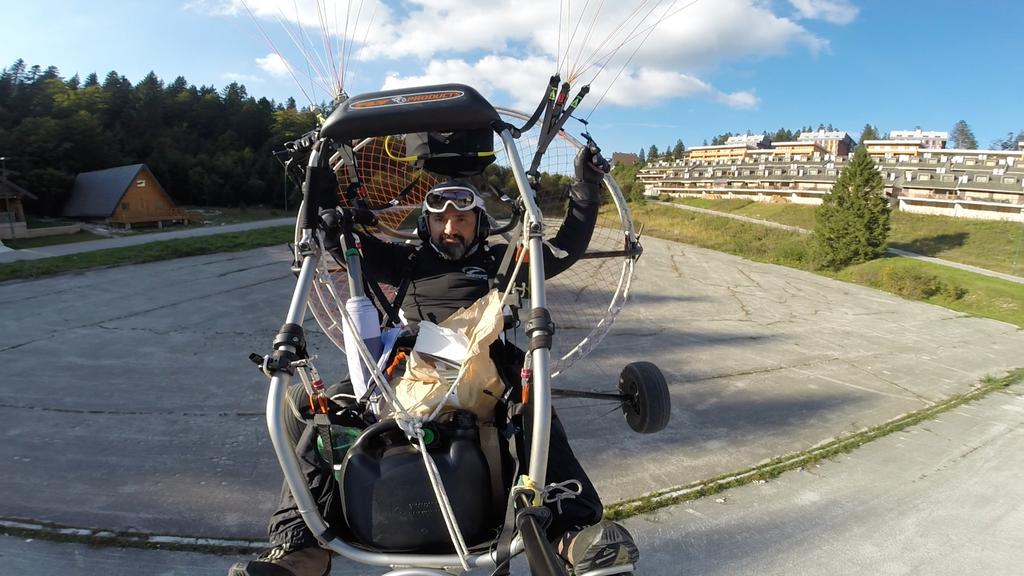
{"type": "Point", "coordinates": [124, 196]}
{"type": "Point", "coordinates": [12, 213]}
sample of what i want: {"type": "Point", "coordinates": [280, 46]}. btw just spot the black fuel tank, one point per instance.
{"type": "Point", "coordinates": [387, 498]}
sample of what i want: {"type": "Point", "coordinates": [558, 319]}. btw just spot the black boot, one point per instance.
{"type": "Point", "coordinates": [283, 561]}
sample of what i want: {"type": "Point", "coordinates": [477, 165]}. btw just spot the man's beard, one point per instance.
{"type": "Point", "coordinates": [452, 250]}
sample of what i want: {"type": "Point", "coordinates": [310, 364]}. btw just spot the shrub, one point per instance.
{"type": "Point", "coordinates": [910, 283]}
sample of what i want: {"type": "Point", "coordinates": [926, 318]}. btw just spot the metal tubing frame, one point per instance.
{"type": "Point", "coordinates": [289, 461]}
{"type": "Point", "coordinates": [296, 481]}
{"type": "Point", "coordinates": [541, 356]}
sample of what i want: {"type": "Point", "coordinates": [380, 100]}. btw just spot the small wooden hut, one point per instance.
{"type": "Point", "coordinates": [123, 196]}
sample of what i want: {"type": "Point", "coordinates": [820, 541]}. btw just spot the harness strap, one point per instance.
{"type": "Point", "coordinates": [503, 548]}
{"type": "Point", "coordinates": [410, 265]}
{"type": "Point", "coordinates": [542, 105]}
{"type": "Point", "coordinates": [501, 277]}
{"type": "Point", "coordinates": [323, 429]}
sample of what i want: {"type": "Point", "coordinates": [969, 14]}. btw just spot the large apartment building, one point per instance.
{"type": "Point", "coordinates": [919, 176]}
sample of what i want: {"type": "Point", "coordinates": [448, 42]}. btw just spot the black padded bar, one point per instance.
{"type": "Point", "coordinates": [437, 108]}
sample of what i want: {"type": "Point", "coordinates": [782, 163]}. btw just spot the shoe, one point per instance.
{"type": "Point", "coordinates": [600, 546]}
{"type": "Point", "coordinates": [283, 561]}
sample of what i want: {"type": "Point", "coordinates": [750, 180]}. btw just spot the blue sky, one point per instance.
{"type": "Point", "coordinates": [714, 66]}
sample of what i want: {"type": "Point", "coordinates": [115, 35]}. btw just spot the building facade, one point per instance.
{"type": "Point", "coordinates": [928, 139]}
{"type": "Point", "coordinates": [982, 184]}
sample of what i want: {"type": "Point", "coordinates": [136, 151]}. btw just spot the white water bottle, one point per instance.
{"type": "Point", "coordinates": [364, 316]}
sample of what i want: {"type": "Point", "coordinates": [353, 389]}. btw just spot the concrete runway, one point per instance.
{"type": "Point", "coordinates": [942, 498]}
{"type": "Point", "coordinates": [130, 404]}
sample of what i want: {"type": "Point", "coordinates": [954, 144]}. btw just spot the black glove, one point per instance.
{"type": "Point", "coordinates": [590, 165]}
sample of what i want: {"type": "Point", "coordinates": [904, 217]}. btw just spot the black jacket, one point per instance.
{"type": "Point", "coordinates": [438, 286]}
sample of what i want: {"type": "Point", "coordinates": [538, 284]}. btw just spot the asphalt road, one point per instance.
{"type": "Point", "coordinates": [942, 498]}
{"type": "Point", "coordinates": [129, 403]}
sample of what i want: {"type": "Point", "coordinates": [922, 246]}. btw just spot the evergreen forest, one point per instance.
{"type": "Point", "coordinates": [207, 147]}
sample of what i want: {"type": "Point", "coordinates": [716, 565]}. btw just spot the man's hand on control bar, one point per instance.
{"type": "Point", "coordinates": [591, 166]}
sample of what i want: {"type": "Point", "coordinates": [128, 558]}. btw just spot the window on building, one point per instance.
{"type": "Point", "coordinates": [1009, 180]}
{"type": "Point", "coordinates": [981, 178]}
{"type": "Point", "coordinates": [140, 183]}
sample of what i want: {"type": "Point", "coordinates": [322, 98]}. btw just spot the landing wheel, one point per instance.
{"type": "Point", "coordinates": [646, 402]}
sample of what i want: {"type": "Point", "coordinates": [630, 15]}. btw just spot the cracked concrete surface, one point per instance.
{"type": "Point", "coordinates": [941, 498]}
{"type": "Point", "coordinates": [130, 403]}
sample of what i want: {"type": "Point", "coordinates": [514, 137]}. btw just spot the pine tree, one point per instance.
{"type": "Point", "coordinates": [782, 135]}
{"type": "Point", "coordinates": [643, 156]}
{"type": "Point", "coordinates": [868, 133]}
{"type": "Point", "coordinates": [962, 136]}
{"type": "Point", "coordinates": [1009, 143]}
{"type": "Point", "coordinates": [652, 153]}
{"type": "Point", "coordinates": [678, 149]}
{"type": "Point", "coordinates": [852, 223]}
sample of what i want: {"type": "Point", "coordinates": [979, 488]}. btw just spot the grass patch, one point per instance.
{"type": "Point", "coordinates": [151, 252]}
{"type": "Point", "coordinates": [773, 468]}
{"type": "Point", "coordinates": [955, 289]}
{"type": "Point", "coordinates": [744, 239]}
{"type": "Point", "coordinates": [46, 222]}
{"type": "Point", "coordinates": [23, 243]}
{"type": "Point", "coordinates": [958, 290]}
{"type": "Point", "coordinates": [987, 244]}
{"type": "Point", "coordinates": [215, 216]}
{"type": "Point", "coordinates": [124, 539]}
{"type": "Point", "coordinates": [730, 205]}
{"type": "Point", "coordinates": [799, 215]}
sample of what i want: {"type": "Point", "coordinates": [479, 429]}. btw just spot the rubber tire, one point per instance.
{"type": "Point", "coordinates": [650, 405]}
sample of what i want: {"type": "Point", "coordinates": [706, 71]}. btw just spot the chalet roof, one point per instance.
{"type": "Point", "coordinates": [97, 193]}
{"type": "Point", "coordinates": [625, 158]}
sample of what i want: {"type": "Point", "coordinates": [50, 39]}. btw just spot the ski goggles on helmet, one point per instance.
{"type": "Point", "coordinates": [459, 197]}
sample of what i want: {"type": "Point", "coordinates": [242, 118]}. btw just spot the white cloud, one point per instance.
{"type": "Point", "coordinates": [274, 65]}
{"type": "Point", "coordinates": [649, 86]}
{"type": "Point", "coordinates": [833, 11]}
{"type": "Point", "coordinates": [521, 83]}
{"type": "Point", "coordinates": [510, 47]}
{"type": "Point", "coordinates": [743, 100]}
{"type": "Point", "coordinates": [516, 82]}
{"type": "Point", "coordinates": [691, 35]}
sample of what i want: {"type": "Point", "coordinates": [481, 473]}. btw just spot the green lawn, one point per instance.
{"type": "Point", "coordinates": [22, 243]}
{"type": "Point", "coordinates": [212, 216]}
{"type": "Point", "coordinates": [992, 245]}
{"type": "Point", "coordinates": [215, 215]}
{"type": "Point", "coordinates": [161, 250]}
{"type": "Point", "coordinates": [956, 289]}
{"type": "Point", "coordinates": [988, 244]}
{"type": "Point", "coordinates": [959, 290]}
